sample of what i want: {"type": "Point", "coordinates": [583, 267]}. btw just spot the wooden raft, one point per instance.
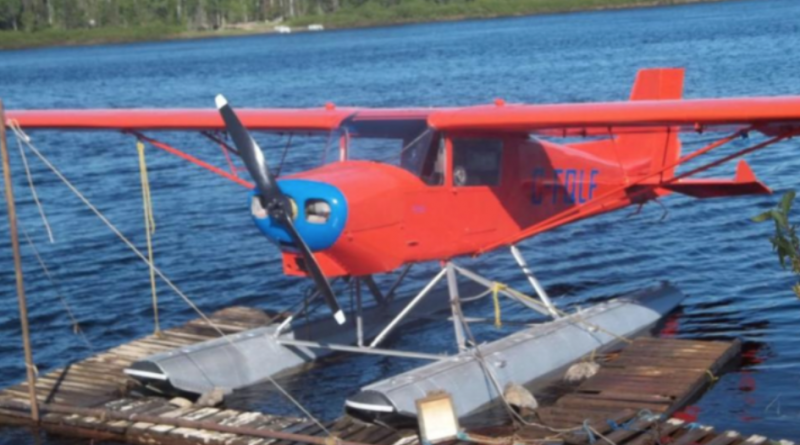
{"type": "Point", "coordinates": [132, 420]}
{"type": "Point", "coordinates": [628, 427]}
{"type": "Point", "coordinates": [655, 376]}
{"type": "Point", "coordinates": [99, 379]}
{"type": "Point", "coordinates": [661, 375]}
{"type": "Point", "coordinates": [91, 399]}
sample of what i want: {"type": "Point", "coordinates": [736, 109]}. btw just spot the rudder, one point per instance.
{"type": "Point", "coordinates": [650, 151]}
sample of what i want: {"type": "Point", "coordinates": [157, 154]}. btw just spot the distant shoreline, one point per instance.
{"type": "Point", "coordinates": [13, 40]}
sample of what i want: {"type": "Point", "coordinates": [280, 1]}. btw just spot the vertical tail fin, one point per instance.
{"type": "Point", "coordinates": [650, 151]}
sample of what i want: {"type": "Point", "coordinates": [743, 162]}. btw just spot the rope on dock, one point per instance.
{"type": "Point", "coordinates": [479, 357]}
{"type": "Point", "coordinates": [591, 432]}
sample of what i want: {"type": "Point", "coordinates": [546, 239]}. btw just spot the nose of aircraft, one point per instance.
{"type": "Point", "coordinates": [319, 213]}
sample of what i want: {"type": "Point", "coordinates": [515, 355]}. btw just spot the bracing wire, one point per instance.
{"type": "Point", "coordinates": [76, 327]}
{"type": "Point", "coordinates": [20, 134]}
{"type": "Point", "coordinates": [478, 354]}
{"type": "Point", "coordinates": [14, 127]}
{"type": "Point", "coordinates": [481, 359]}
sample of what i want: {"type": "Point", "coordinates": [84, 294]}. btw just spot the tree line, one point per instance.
{"type": "Point", "coordinates": [176, 16]}
{"type": "Point", "coordinates": [33, 15]}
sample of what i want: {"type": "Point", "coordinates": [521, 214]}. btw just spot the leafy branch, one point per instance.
{"type": "Point", "coordinates": [785, 241]}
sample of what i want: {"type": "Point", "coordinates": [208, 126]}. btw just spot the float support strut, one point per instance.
{"type": "Point", "coordinates": [455, 306]}
{"type": "Point", "coordinates": [359, 314]}
{"type": "Point", "coordinates": [390, 294]}
{"type": "Point", "coordinates": [534, 282]}
{"type": "Point", "coordinates": [407, 309]}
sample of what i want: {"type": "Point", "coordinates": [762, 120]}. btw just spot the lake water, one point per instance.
{"type": "Point", "coordinates": [206, 242]}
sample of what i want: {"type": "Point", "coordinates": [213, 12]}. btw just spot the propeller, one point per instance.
{"type": "Point", "coordinates": [277, 205]}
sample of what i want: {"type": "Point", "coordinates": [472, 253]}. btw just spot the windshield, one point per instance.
{"type": "Point", "coordinates": [406, 143]}
{"type": "Point", "coordinates": [288, 153]}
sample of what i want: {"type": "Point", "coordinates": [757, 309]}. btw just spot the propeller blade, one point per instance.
{"type": "Point", "coordinates": [252, 156]}
{"type": "Point", "coordinates": [274, 201]}
{"type": "Point", "coordinates": [323, 286]}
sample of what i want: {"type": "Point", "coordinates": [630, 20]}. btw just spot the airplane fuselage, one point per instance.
{"type": "Point", "coordinates": [394, 217]}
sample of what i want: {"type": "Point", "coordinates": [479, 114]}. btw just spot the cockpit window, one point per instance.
{"type": "Point", "coordinates": [425, 157]}
{"type": "Point", "coordinates": [289, 152]}
{"type": "Point", "coordinates": [476, 161]}
{"type": "Point", "coordinates": [407, 143]}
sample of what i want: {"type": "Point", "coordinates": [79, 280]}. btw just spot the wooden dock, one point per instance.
{"type": "Point", "coordinates": [650, 380]}
{"type": "Point", "coordinates": [660, 375]}
{"type": "Point", "coordinates": [99, 379]}
{"type": "Point", "coordinates": [628, 401]}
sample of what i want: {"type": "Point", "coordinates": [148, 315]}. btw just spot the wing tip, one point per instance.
{"type": "Point", "coordinates": [220, 101]}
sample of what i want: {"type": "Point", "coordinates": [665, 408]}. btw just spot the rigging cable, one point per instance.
{"type": "Point", "coordinates": [20, 134]}
{"type": "Point", "coordinates": [283, 156]}
{"type": "Point", "coordinates": [15, 128]}
{"type": "Point", "coordinates": [575, 317]}
{"type": "Point", "coordinates": [76, 327]}
{"type": "Point", "coordinates": [496, 288]}
{"type": "Point", "coordinates": [481, 359]}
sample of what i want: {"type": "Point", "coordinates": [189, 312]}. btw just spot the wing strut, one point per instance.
{"type": "Point", "coordinates": [197, 161]}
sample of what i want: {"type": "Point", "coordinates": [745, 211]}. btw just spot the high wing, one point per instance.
{"type": "Point", "coordinates": [179, 119]}
{"type": "Point", "coordinates": [264, 119]}
{"type": "Point", "coordinates": [205, 121]}
{"type": "Point", "coordinates": [768, 115]}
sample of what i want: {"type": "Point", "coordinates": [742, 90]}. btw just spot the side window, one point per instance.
{"type": "Point", "coordinates": [424, 156]}
{"type": "Point", "coordinates": [476, 161]}
{"type": "Point", "coordinates": [433, 173]}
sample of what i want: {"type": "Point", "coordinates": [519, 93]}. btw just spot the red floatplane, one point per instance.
{"type": "Point", "coordinates": [456, 182]}
{"type": "Point", "coordinates": [465, 180]}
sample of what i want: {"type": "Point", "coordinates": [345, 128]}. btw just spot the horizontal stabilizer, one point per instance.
{"type": "Point", "coordinates": [745, 183]}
